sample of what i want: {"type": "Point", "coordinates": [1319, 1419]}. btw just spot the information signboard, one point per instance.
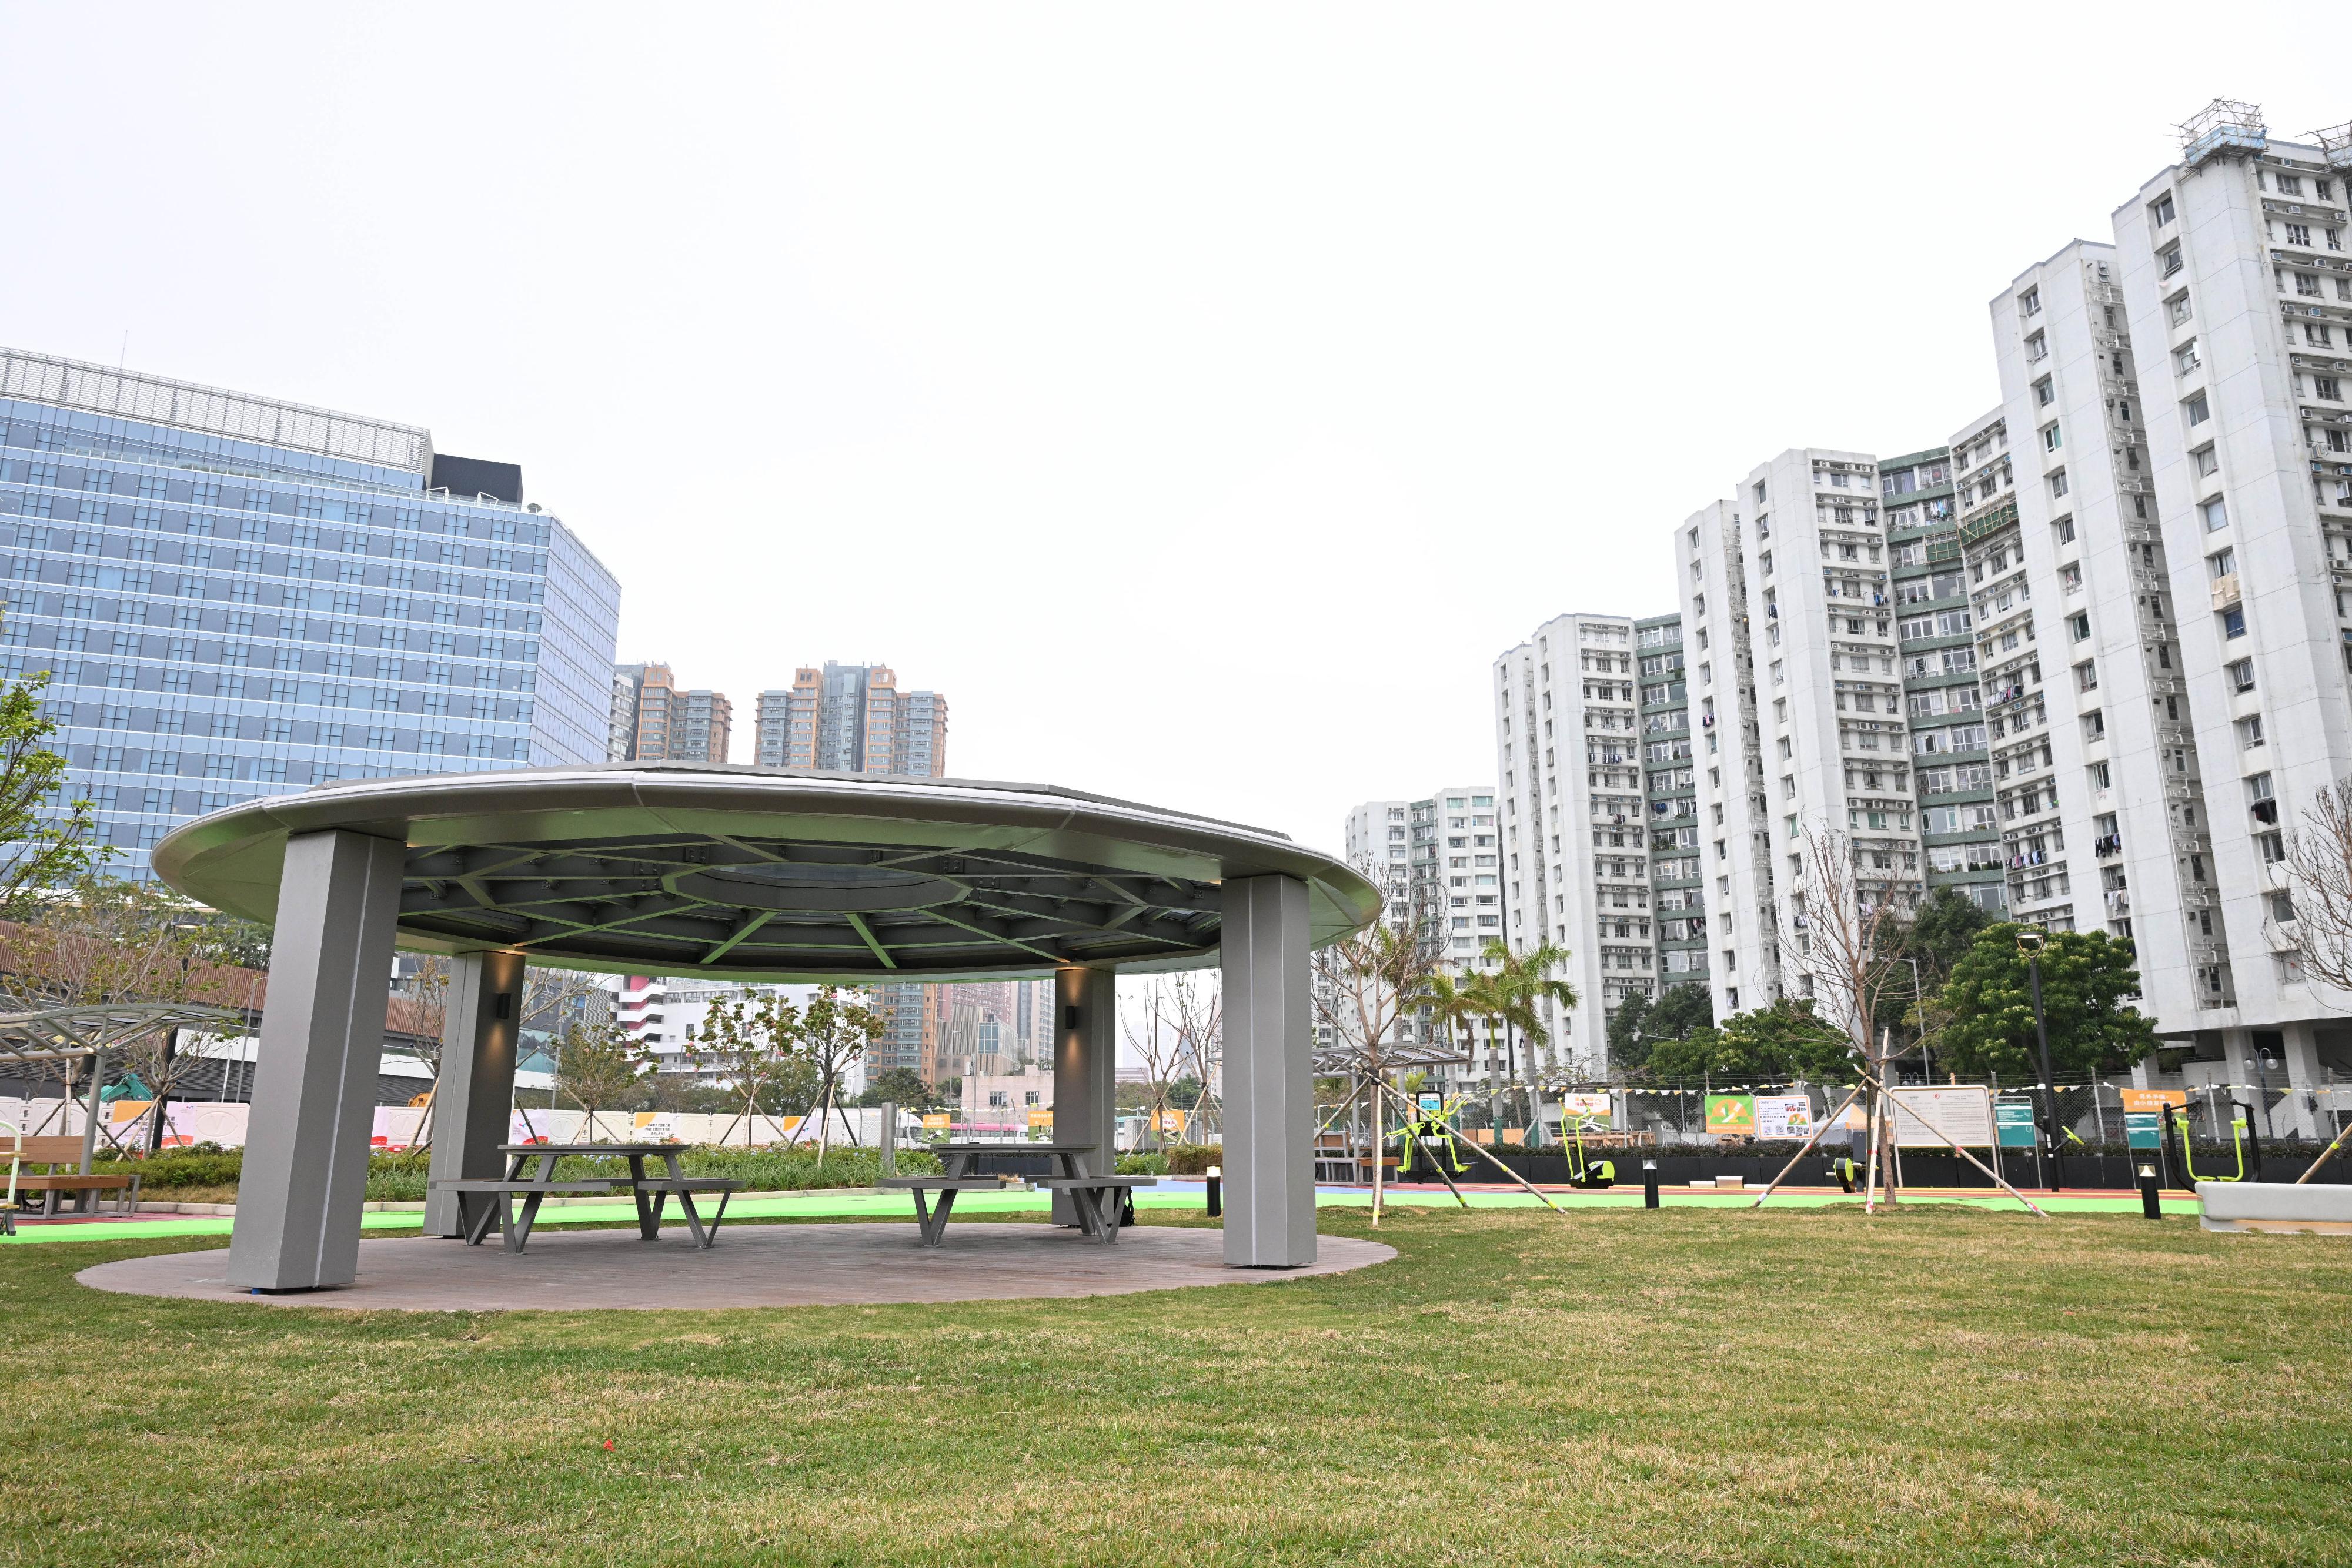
{"type": "Point", "coordinates": [1962, 1113]}
{"type": "Point", "coordinates": [1584, 1105]}
{"type": "Point", "coordinates": [2143, 1130]}
{"type": "Point", "coordinates": [1732, 1114]}
{"type": "Point", "coordinates": [1784, 1117]}
{"type": "Point", "coordinates": [2015, 1120]}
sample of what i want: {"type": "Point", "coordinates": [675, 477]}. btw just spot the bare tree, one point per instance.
{"type": "Point", "coordinates": [2319, 887]}
{"type": "Point", "coordinates": [757, 1040]}
{"type": "Point", "coordinates": [836, 1029]}
{"type": "Point", "coordinates": [106, 940]}
{"type": "Point", "coordinates": [1844, 937]}
{"type": "Point", "coordinates": [420, 1011]}
{"type": "Point", "coordinates": [597, 1065]}
{"type": "Point", "coordinates": [1364, 987]}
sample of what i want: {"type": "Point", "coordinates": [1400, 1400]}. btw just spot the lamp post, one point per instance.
{"type": "Point", "coordinates": [2030, 944]}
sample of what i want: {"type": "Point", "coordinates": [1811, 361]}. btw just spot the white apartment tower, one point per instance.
{"type": "Point", "coordinates": [1436, 859]}
{"type": "Point", "coordinates": [2239, 288]}
{"type": "Point", "coordinates": [1807, 583]}
{"type": "Point", "coordinates": [1576, 845]}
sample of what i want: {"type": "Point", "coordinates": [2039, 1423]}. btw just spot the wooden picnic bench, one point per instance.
{"type": "Point", "coordinates": [54, 1152]}
{"type": "Point", "coordinates": [652, 1193]}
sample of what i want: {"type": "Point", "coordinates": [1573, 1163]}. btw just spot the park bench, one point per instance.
{"type": "Point", "coordinates": [54, 1152]}
{"type": "Point", "coordinates": [1099, 1200]}
{"type": "Point", "coordinates": [652, 1193]}
{"type": "Point", "coordinates": [932, 1219]}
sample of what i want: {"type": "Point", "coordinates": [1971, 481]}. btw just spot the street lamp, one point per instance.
{"type": "Point", "coordinates": [2030, 944]}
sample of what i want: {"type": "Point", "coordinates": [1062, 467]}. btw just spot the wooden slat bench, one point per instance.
{"type": "Point", "coordinates": [54, 1152]}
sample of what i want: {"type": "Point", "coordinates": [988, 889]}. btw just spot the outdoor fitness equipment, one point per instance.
{"type": "Point", "coordinates": [1587, 1173]}
{"type": "Point", "coordinates": [2238, 1131]}
{"type": "Point", "coordinates": [1430, 1126]}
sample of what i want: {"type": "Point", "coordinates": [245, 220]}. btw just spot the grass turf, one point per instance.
{"type": "Point", "coordinates": [1948, 1384]}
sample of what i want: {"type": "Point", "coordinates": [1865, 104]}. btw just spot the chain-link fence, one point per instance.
{"type": "Point", "coordinates": [2088, 1132]}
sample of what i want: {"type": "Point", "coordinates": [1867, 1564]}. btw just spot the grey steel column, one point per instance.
{"type": "Point", "coordinates": [306, 1153]}
{"type": "Point", "coordinates": [1085, 1071]}
{"type": "Point", "coordinates": [1269, 1086]}
{"type": "Point", "coordinates": [473, 1107]}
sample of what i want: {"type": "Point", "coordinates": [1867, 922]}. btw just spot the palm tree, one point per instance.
{"type": "Point", "coordinates": [1517, 985]}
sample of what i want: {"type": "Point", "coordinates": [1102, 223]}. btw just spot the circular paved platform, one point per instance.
{"type": "Point", "coordinates": [751, 1266]}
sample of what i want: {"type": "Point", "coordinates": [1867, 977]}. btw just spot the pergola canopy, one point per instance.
{"type": "Point", "coordinates": [769, 873]}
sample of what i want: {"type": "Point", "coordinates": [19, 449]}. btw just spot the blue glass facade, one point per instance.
{"type": "Point", "coordinates": [224, 617]}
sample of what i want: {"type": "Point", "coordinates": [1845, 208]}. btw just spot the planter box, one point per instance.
{"type": "Point", "coordinates": [2274, 1206]}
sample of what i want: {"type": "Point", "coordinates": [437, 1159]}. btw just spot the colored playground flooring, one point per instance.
{"type": "Point", "coordinates": [1185, 1197]}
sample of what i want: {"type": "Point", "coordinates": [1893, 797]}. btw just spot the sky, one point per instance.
{"type": "Point", "coordinates": [1200, 397]}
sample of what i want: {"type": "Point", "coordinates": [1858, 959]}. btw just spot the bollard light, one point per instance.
{"type": "Point", "coordinates": [2148, 1205]}
{"type": "Point", "coordinates": [1648, 1184]}
{"type": "Point", "coordinates": [1216, 1176]}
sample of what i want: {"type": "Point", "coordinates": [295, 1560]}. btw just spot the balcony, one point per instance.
{"type": "Point", "coordinates": [2284, 935]}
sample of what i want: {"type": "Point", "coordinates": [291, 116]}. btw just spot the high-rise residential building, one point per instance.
{"type": "Point", "coordinates": [654, 721]}
{"type": "Point", "coordinates": [1670, 792]}
{"type": "Point", "coordinates": [1958, 826]}
{"type": "Point", "coordinates": [853, 718]}
{"type": "Point", "coordinates": [1436, 858]}
{"type": "Point", "coordinates": [1571, 742]}
{"type": "Point", "coordinates": [2237, 288]}
{"type": "Point", "coordinates": [237, 596]}
{"type": "Point", "coordinates": [1808, 582]}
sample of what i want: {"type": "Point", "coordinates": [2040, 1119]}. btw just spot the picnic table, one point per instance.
{"type": "Point", "coordinates": [1098, 1200]}
{"type": "Point", "coordinates": [652, 1193]}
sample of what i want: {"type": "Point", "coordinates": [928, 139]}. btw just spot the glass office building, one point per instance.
{"type": "Point", "coordinates": [236, 597]}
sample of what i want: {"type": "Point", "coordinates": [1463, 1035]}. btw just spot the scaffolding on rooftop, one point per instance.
{"type": "Point", "coordinates": [2222, 126]}
{"type": "Point", "coordinates": [2336, 142]}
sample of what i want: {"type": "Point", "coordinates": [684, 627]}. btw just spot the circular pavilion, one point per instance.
{"type": "Point", "coordinates": [744, 873]}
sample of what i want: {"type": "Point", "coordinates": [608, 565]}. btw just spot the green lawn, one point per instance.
{"type": "Point", "coordinates": [1695, 1386]}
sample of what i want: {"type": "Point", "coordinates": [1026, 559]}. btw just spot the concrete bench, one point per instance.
{"type": "Point", "coordinates": [1099, 1200]}
{"type": "Point", "coordinates": [932, 1221]}
{"type": "Point", "coordinates": [2275, 1206]}
{"type": "Point", "coordinates": [513, 1231]}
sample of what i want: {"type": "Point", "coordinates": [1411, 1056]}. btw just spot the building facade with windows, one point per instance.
{"type": "Point", "coordinates": [1941, 699]}
{"type": "Point", "coordinates": [1436, 857]}
{"type": "Point", "coordinates": [1670, 798]}
{"type": "Point", "coordinates": [237, 596]}
{"type": "Point", "coordinates": [853, 718]}
{"type": "Point", "coordinates": [2237, 284]}
{"type": "Point", "coordinates": [1577, 842]}
{"type": "Point", "coordinates": [654, 721]}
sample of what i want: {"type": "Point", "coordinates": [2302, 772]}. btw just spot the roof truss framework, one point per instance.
{"type": "Point", "coordinates": [671, 902]}
{"type": "Point", "coordinates": [50, 1034]}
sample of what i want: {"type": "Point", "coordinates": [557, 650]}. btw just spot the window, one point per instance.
{"type": "Point", "coordinates": [2037, 347]}
{"type": "Point", "coordinates": [2250, 732]}
{"type": "Point", "coordinates": [2307, 283]}
{"type": "Point", "coordinates": [2326, 387]}
{"type": "Point", "coordinates": [2179, 308]}
{"type": "Point", "coordinates": [2161, 210]}
{"type": "Point", "coordinates": [2079, 627]}
{"type": "Point", "coordinates": [2221, 564]}
{"type": "Point", "coordinates": [2050, 441]}
{"type": "Point", "coordinates": [2206, 462]}
{"type": "Point", "coordinates": [2170, 258]}
{"type": "Point", "coordinates": [2196, 411]}
{"type": "Point", "coordinates": [2241, 676]}
{"type": "Point", "coordinates": [2298, 233]}
{"type": "Point", "coordinates": [2184, 358]}
{"type": "Point", "coordinates": [2029, 303]}
{"type": "Point", "coordinates": [2058, 483]}
{"type": "Point", "coordinates": [2216, 514]}
{"type": "Point", "coordinates": [2044, 393]}
{"type": "Point", "coordinates": [2234, 622]}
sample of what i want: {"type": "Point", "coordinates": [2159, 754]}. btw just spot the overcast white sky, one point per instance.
{"type": "Point", "coordinates": [1200, 397]}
